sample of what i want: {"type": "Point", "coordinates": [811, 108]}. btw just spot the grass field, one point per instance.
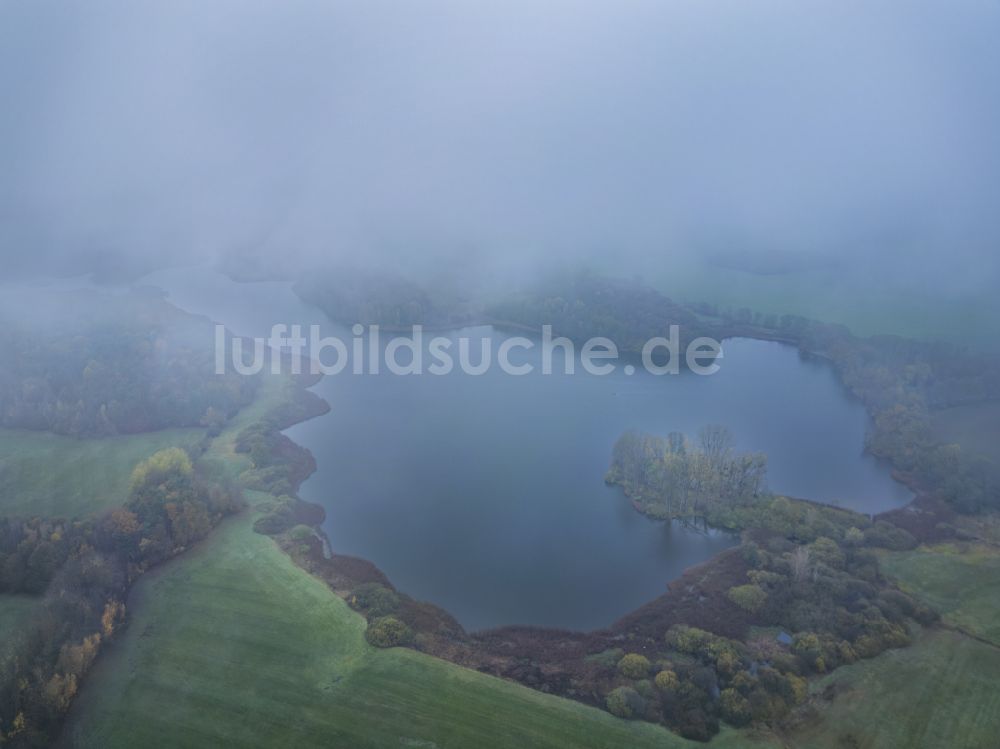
{"type": "Point", "coordinates": [867, 306]}
{"type": "Point", "coordinates": [939, 692]}
{"type": "Point", "coordinates": [234, 645]}
{"type": "Point", "coordinates": [943, 690]}
{"type": "Point", "coordinates": [961, 582]}
{"type": "Point", "coordinates": [52, 475]}
{"type": "Point", "coordinates": [231, 644]}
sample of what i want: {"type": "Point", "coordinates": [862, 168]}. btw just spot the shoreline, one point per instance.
{"type": "Point", "coordinates": [370, 572]}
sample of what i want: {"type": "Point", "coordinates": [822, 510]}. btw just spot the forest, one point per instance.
{"type": "Point", "coordinates": [127, 365]}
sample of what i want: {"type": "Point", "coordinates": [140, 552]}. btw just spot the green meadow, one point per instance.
{"type": "Point", "coordinates": [959, 581]}
{"type": "Point", "coordinates": [939, 692]}
{"type": "Point", "coordinates": [868, 306]}
{"type": "Point", "coordinates": [941, 687]}
{"type": "Point", "coordinates": [57, 476]}
{"type": "Point", "coordinates": [232, 644]}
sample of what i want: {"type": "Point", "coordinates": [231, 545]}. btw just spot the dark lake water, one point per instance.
{"type": "Point", "coordinates": [485, 494]}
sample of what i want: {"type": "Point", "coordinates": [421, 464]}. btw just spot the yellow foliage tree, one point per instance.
{"type": "Point", "coordinates": [114, 611]}
{"type": "Point", "coordinates": [76, 659]}
{"type": "Point", "coordinates": [60, 690]}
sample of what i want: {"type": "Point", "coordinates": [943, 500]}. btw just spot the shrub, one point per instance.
{"type": "Point", "coordinates": [388, 632]}
{"type": "Point", "coordinates": [625, 702]}
{"type": "Point", "coordinates": [667, 681]}
{"type": "Point", "coordinates": [735, 707]}
{"type": "Point", "coordinates": [750, 597]}
{"type": "Point", "coordinates": [827, 551]}
{"type": "Point", "coordinates": [854, 537]}
{"type": "Point", "coordinates": [279, 518]}
{"type": "Point", "coordinates": [728, 663]}
{"type": "Point", "coordinates": [846, 653]}
{"type": "Point", "coordinates": [888, 536]}
{"type": "Point", "coordinates": [645, 689]}
{"type": "Point", "coordinates": [799, 687]}
{"type": "Point", "coordinates": [697, 725]}
{"type": "Point", "coordinates": [375, 599]}
{"type": "Point", "coordinates": [301, 532]}
{"type": "Point", "coordinates": [606, 658]}
{"type": "Point", "coordinates": [809, 649]}
{"type": "Point", "coordinates": [753, 555]}
{"type": "Point", "coordinates": [272, 524]}
{"type": "Point", "coordinates": [634, 666]}
{"type": "Point", "coordinates": [687, 639]}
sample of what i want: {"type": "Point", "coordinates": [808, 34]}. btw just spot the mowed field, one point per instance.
{"type": "Point", "coordinates": [233, 645]}
{"type": "Point", "coordinates": [53, 475]}
{"type": "Point", "coordinates": [959, 581]}
{"type": "Point", "coordinates": [866, 305]}
{"type": "Point", "coordinates": [942, 691]}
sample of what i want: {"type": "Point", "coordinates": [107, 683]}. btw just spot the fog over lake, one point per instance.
{"type": "Point", "coordinates": [485, 494]}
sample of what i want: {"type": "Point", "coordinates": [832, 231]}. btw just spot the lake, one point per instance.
{"type": "Point", "coordinates": [485, 494]}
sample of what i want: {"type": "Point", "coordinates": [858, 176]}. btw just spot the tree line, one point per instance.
{"type": "Point", "coordinates": [585, 305]}
{"type": "Point", "coordinates": [85, 568]}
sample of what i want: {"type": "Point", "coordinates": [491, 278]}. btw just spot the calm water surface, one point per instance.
{"type": "Point", "coordinates": [485, 494]}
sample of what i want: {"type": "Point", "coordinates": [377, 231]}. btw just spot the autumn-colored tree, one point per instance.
{"type": "Point", "coordinates": [121, 522]}
{"type": "Point", "coordinates": [735, 707]}
{"type": "Point", "coordinates": [826, 551]}
{"type": "Point", "coordinates": [164, 477]}
{"type": "Point", "coordinates": [388, 632]}
{"type": "Point", "coordinates": [189, 521]}
{"type": "Point", "coordinates": [76, 659]}
{"type": "Point", "coordinates": [751, 598]}
{"type": "Point", "coordinates": [667, 681]}
{"type": "Point", "coordinates": [114, 612]}
{"type": "Point", "coordinates": [634, 666]}
{"type": "Point", "coordinates": [60, 690]}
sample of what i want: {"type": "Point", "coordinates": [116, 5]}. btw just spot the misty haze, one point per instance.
{"type": "Point", "coordinates": [238, 509]}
